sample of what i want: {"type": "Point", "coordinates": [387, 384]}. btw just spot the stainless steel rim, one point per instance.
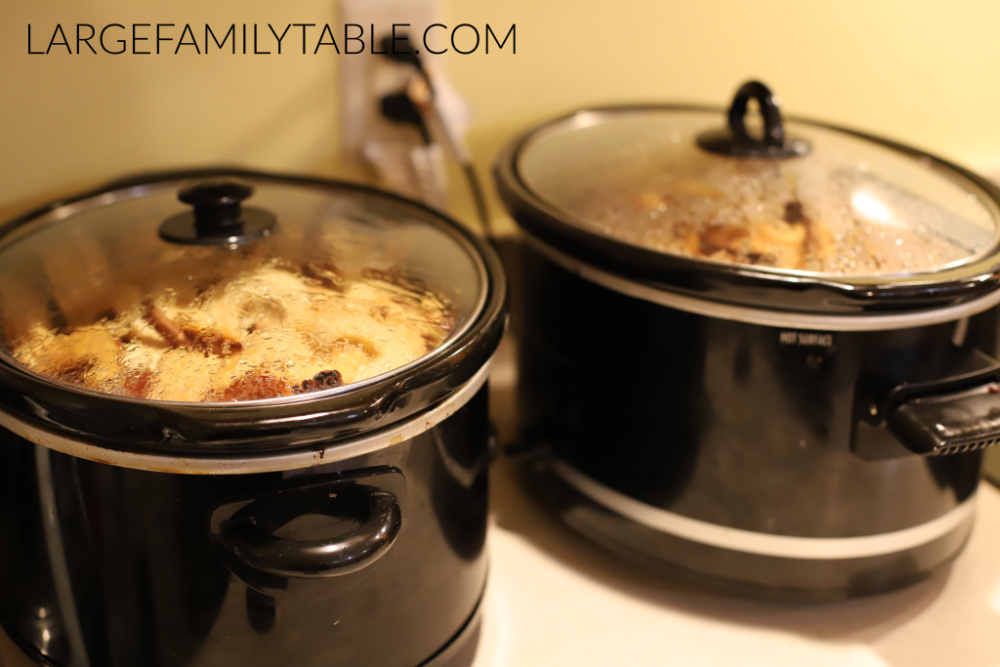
{"type": "Point", "coordinates": [338, 451]}
{"type": "Point", "coordinates": [765, 544]}
{"type": "Point", "coordinates": [770, 318]}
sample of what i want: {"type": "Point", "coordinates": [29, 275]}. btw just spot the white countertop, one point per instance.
{"type": "Point", "coordinates": [557, 600]}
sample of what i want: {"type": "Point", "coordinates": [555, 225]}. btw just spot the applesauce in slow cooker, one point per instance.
{"type": "Point", "coordinates": [847, 207]}
{"type": "Point", "coordinates": [256, 328]}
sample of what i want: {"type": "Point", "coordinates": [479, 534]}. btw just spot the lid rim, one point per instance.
{"type": "Point", "coordinates": [732, 282]}
{"type": "Point", "coordinates": [761, 315]}
{"type": "Point", "coordinates": [291, 458]}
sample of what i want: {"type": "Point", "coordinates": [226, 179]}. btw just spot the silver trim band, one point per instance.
{"type": "Point", "coordinates": [340, 451]}
{"type": "Point", "coordinates": [771, 318]}
{"type": "Point", "coordinates": [782, 546]}
{"type": "Point", "coordinates": [58, 565]}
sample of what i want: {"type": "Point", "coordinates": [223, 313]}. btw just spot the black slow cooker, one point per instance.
{"type": "Point", "coordinates": [759, 354]}
{"type": "Point", "coordinates": [329, 522]}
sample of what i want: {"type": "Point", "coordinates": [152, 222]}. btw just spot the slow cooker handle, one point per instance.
{"type": "Point", "coordinates": [248, 537]}
{"type": "Point", "coordinates": [735, 141]}
{"type": "Point", "coordinates": [949, 423]}
{"type": "Point", "coordinates": [218, 216]}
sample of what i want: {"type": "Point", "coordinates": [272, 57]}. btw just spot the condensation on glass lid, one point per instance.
{"type": "Point", "coordinates": [777, 215]}
{"type": "Point", "coordinates": [850, 206]}
{"type": "Point", "coordinates": [250, 328]}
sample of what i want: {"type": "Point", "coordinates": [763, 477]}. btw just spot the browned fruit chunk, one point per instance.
{"type": "Point", "coordinates": [255, 386]}
{"type": "Point", "coordinates": [320, 381]}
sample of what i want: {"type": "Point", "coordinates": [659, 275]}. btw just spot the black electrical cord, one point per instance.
{"type": "Point", "coordinates": [403, 113]}
{"type": "Point", "coordinates": [399, 108]}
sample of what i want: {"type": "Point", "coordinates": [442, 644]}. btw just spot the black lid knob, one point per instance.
{"type": "Point", "coordinates": [218, 217]}
{"type": "Point", "coordinates": [735, 141]}
{"type": "Point", "coordinates": [216, 205]}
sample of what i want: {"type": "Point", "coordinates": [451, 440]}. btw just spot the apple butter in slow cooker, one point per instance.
{"type": "Point", "coordinates": [258, 328]}
{"type": "Point", "coordinates": [777, 219]}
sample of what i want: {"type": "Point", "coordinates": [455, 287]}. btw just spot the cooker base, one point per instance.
{"type": "Point", "coordinates": [459, 652]}
{"type": "Point", "coordinates": [741, 573]}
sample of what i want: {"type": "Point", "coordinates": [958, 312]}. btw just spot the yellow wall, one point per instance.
{"type": "Point", "coordinates": [923, 72]}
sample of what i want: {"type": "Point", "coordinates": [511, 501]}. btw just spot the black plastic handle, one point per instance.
{"type": "Point", "coordinates": [774, 127]}
{"type": "Point", "coordinates": [218, 217]}
{"type": "Point", "coordinates": [735, 141]}
{"type": "Point", "coordinates": [952, 423]}
{"type": "Point", "coordinates": [249, 534]}
{"type": "Point", "coordinates": [953, 408]}
{"type": "Point", "coordinates": [216, 205]}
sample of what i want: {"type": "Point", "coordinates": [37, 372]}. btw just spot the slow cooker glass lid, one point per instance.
{"type": "Point", "coordinates": [350, 285]}
{"type": "Point", "coordinates": [850, 208]}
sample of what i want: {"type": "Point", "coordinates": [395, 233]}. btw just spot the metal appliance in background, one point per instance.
{"type": "Point", "coordinates": [340, 526]}
{"type": "Point", "coordinates": [765, 360]}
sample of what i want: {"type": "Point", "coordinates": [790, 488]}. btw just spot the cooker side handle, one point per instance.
{"type": "Point", "coordinates": [252, 548]}
{"type": "Point", "coordinates": [951, 423]}
{"type": "Point", "coordinates": [948, 415]}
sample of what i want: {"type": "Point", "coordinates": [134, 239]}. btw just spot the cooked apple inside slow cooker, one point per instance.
{"type": "Point", "coordinates": [735, 214]}
{"type": "Point", "coordinates": [253, 328]}
{"type": "Point", "coordinates": [848, 207]}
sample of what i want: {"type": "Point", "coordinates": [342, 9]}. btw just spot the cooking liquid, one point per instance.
{"type": "Point", "coordinates": [770, 214]}
{"type": "Point", "coordinates": [260, 329]}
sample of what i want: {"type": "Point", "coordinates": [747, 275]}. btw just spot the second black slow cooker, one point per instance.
{"type": "Point", "coordinates": [763, 357]}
